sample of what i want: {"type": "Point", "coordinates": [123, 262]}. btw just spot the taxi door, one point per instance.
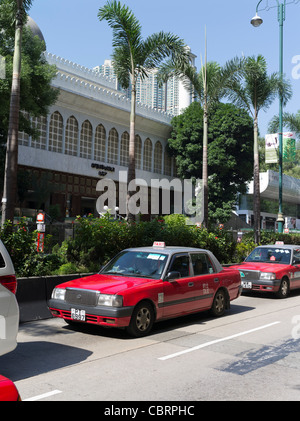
{"type": "Point", "coordinates": [295, 281]}
{"type": "Point", "coordinates": [178, 294]}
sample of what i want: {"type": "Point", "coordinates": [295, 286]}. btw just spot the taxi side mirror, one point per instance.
{"type": "Point", "coordinates": [171, 276]}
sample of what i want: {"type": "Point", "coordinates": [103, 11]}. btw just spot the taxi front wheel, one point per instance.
{"type": "Point", "coordinates": [284, 289]}
{"type": "Point", "coordinates": [141, 320]}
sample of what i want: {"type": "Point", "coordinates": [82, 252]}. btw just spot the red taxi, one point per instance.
{"type": "Point", "coordinates": [271, 268]}
{"type": "Point", "coordinates": [142, 285]}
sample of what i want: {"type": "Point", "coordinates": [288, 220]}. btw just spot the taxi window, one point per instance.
{"type": "Point", "coordinates": [296, 258]}
{"type": "Point", "coordinates": [201, 264]}
{"type": "Point", "coordinates": [270, 255]}
{"type": "Point", "coordinates": [137, 264]}
{"type": "Point", "coordinates": [181, 264]}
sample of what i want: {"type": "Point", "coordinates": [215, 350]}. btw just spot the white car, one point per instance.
{"type": "Point", "coordinates": [9, 309]}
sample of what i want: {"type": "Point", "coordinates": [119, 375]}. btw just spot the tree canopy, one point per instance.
{"type": "Point", "coordinates": [230, 153]}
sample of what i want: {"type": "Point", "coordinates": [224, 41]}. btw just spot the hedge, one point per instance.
{"type": "Point", "coordinates": [97, 240]}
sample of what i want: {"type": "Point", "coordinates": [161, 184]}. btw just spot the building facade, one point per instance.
{"type": "Point", "coordinates": [85, 138]}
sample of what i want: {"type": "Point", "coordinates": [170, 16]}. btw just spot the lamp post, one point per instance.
{"type": "Point", "coordinates": [257, 21]}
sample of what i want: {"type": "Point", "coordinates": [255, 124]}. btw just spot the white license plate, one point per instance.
{"type": "Point", "coordinates": [246, 285]}
{"type": "Point", "coordinates": [77, 314]}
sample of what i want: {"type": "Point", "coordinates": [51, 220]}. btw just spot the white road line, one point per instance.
{"type": "Point", "coordinates": [195, 348]}
{"type": "Point", "coordinates": [45, 395]}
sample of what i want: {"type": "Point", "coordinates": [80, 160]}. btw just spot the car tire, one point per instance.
{"type": "Point", "coordinates": [219, 304]}
{"type": "Point", "coordinates": [284, 289]}
{"type": "Point", "coordinates": [142, 320]}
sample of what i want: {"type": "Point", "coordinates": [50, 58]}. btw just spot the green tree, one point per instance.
{"type": "Point", "coordinates": [255, 90]}
{"type": "Point", "coordinates": [26, 88]}
{"type": "Point", "coordinates": [229, 153]}
{"type": "Point", "coordinates": [11, 164]}
{"type": "Point", "coordinates": [133, 56]}
{"type": "Point", "coordinates": [207, 86]}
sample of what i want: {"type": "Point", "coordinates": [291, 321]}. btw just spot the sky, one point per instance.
{"type": "Point", "coordinates": [73, 31]}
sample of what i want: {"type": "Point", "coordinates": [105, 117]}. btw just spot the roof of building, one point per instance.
{"type": "Point", "coordinates": [35, 28]}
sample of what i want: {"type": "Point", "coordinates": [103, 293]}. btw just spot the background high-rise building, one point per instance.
{"type": "Point", "coordinates": [172, 97]}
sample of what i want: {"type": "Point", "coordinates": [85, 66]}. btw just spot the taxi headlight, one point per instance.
{"type": "Point", "coordinates": [267, 276]}
{"type": "Point", "coordinates": [110, 300]}
{"type": "Point", "coordinates": [58, 294]}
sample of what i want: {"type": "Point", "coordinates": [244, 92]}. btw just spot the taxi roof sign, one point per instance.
{"type": "Point", "coordinates": [161, 244]}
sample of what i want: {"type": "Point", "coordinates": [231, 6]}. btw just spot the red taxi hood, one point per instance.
{"type": "Point", "coordinates": [262, 267]}
{"type": "Point", "coordinates": [109, 284]}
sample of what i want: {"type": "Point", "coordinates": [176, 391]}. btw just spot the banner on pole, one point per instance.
{"type": "Point", "coordinates": [272, 147]}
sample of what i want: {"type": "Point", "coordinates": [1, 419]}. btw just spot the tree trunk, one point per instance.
{"type": "Point", "coordinates": [11, 163]}
{"type": "Point", "coordinates": [256, 184]}
{"type": "Point", "coordinates": [204, 169]}
{"type": "Point", "coordinates": [131, 166]}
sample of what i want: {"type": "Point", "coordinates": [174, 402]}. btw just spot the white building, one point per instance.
{"type": "Point", "coordinates": [85, 137]}
{"type": "Point", "coordinates": [269, 193]}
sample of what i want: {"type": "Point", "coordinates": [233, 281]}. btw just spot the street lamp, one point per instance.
{"type": "Point", "coordinates": [257, 21]}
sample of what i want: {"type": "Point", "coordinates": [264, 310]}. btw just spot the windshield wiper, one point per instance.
{"type": "Point", "coordinates": [113, 273]}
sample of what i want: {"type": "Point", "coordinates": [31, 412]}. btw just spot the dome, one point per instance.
{"type": "Point", "coordinates": [35, 29]}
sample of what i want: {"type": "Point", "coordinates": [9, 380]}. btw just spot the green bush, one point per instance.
{"type": "Point", "coordinates": [97, 240]}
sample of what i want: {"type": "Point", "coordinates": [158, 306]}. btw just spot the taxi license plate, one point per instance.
{"type": "Point", "coordinates": [246, 285]}
{"type": "Point", "coordinates": [77, 314]}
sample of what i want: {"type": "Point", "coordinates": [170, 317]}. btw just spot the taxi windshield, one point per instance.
{"type": "Point", "coordinates": [137, 264]}
{"type": "Point", "coordinates": [270, 255]}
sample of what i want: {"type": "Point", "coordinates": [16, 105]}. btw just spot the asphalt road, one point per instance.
{"type": "Point", "coordinates": [253, 353]}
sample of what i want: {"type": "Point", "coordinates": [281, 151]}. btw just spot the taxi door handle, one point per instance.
{"type": "Point", "coordinates": [191, 284]}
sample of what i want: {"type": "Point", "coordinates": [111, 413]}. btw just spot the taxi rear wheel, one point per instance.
{"type": "Point", "coordinates": [219, 304]}
{"type": "Point", "coordinates": [141, 320]}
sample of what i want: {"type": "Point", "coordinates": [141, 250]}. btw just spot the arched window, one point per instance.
{"type": "Point", "coordinates": [167, 163]}
{"type": "Point", "coordinates": [138, 151]}
{"type": "Point", "coordinates": [56, 132]}
{"type": "Point", "coordinates": [86, 140]}
{"type": "Point", "coordinates": [147, 157]}
{"type": "Point", "coordinates": [112, 150]}
{"type": "Point", "coordinates": [71, 136]}
{"type": "Point", "coordinates": [158, 158]}
{"type": "Point", "coordinates": [124, 151]}
{"type": "Point", "coordinates": [40, 124]}
{"type": "Point", "coordinates": [100, 137]}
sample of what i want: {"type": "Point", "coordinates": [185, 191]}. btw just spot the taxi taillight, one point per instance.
{"type": "Point", "coordinates": [9, 282]}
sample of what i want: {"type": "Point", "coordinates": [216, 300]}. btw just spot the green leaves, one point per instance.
{"type": "Point", "coordinates": [251, 87]}
{"type": "Point", "coordinates": [132, 54]}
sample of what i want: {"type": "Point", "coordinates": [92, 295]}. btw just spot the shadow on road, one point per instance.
{"type": "Point", "coordinates": [33, 358]}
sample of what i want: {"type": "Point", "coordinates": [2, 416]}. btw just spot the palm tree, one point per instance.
{"type": "Point", "coordinates": [19, 8]}
{"type": "Point", "coordinates": [291, 121]}
{"type": "Point", "coordinates": [134, 57]}
{"type": "Point", "coordinates": [254, 90]}
{"type": "Point", "coordinates": [208, 88]}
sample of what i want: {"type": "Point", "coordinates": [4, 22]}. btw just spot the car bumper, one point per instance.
{"type": "Point", "coordinates": [100, 315]}
{"type": "Point", "coordinates": [263, 286]}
